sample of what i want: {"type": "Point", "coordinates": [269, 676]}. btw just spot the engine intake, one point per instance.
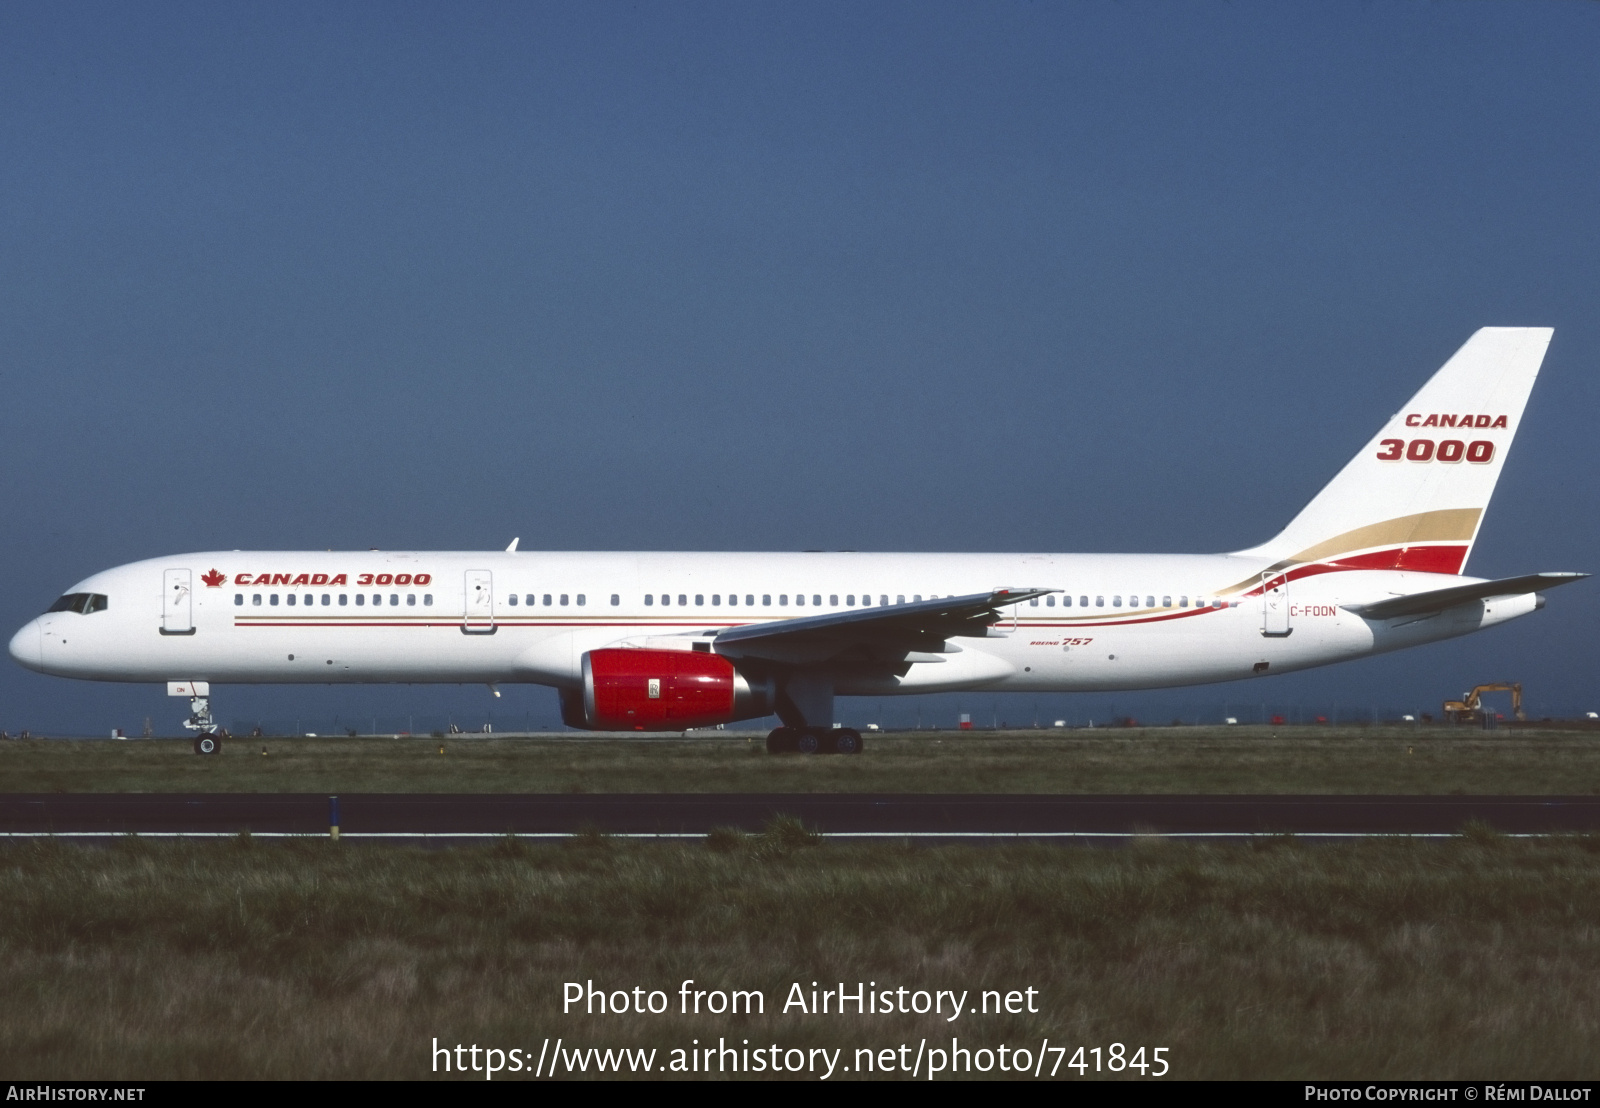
{"type": "Point", "coordinates": [667, 690]}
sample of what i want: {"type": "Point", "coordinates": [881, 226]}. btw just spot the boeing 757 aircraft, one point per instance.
{"type": "Point", "coordinates": [665, 642]}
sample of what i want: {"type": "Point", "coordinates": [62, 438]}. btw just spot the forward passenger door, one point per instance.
{"type": "Point", "coordinates": [177, 602]}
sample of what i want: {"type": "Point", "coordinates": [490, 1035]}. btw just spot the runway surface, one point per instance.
{"type": "Point", "coordinates": [943, 816]}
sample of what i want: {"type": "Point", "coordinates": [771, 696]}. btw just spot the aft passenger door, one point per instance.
{"type": "Point", "coordinates": [480, 603]}
{"type": "Point", "coordinates": [177, 603]}
{"type": "Point", "coordinates": [1275, 604]}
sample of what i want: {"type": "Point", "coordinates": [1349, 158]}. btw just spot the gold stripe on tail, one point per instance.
{"type": "Point", "coordinates": [1446, 525]}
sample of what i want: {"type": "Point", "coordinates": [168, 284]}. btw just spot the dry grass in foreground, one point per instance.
{"type": "Point", "coordinates": [1470, 958]}
{"type": "Point", "coordinates": [1150, 760]}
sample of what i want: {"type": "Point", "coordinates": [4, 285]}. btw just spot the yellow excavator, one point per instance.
{"type": "Point", "coordinates": [1469, 709]}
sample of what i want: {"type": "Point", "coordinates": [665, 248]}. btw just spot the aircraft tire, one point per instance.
{"type": "Point", "coordinates": [781, 741]}
{"type": "Point", "coordinates": [847, 740]}
{"type": "Point", "coordinates": [207, 744]}
{"type": "Point", "coordinates": [810, 741]}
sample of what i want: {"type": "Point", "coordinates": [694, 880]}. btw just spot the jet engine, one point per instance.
{"type": "Point", "coordinates": [665, 690]}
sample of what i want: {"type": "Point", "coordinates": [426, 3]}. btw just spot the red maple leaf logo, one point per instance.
{"type": "Point", "coordinates": [213, 579]}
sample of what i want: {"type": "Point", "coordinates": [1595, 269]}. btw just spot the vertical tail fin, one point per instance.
{"type": "Point", "coordinates": [1415, 495]}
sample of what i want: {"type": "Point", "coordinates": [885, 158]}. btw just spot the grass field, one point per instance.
{"type": "Point", "coordinates": [1149, 760]}
{"type": "Point", "coordinates": [1387, 959]}
{"type": "Point", "coordinates": [1396, 959]}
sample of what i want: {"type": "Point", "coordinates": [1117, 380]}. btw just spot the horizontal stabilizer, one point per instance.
{"type": "Point", "coordinates": [1438, 600]}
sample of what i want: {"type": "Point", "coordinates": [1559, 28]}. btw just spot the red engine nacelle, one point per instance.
{"type": "Point", "coordinates": [667, 690]}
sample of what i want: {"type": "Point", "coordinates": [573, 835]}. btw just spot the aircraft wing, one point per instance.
{"type": "Point", "coordinates": [904, 628]}
{"type": "Point", "coordinates": [1437, 600]}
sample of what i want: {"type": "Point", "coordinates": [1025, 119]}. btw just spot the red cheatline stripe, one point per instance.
{"type": "Point", "coordinates": [1102, 621]}
{"type": "Point", "coordinates": [1095, 621]}
{"type": "Point", "coordinates": [451, 623]}
{"type": "Point", "coordinates": [1418, 559]}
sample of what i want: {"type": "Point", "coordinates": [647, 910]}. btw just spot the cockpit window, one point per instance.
{"type": "Point", "coordinates": [81, 602]}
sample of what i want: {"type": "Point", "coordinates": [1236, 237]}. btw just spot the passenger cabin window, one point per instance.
{"type": "Point", "coordinates": [816, 601]}
{"type": "Point", "coordinates": [1116, 601]}
{"type": "Point", "coordinates": [273, 600]}
{"type": "Point", "coordinates": [361, 598]}
{"type": "Point", "coordinates": [1166, 601]}
{"type": "Point", "coordinates": [1149, 602]}
{"type": "Point", "coordinates": [800, 599]}
{"type": "Point", "coordinates": [683, 599]}
{"type": "Point", "coordinates": [833, 601]}
{"type": "Point", "coordinates": [427, 600]}
{"type": "Point", "coordinates": [547, 600]}
{"type": "Point", "coordinates": [783, 600]}
{"type": "Point", "coordinates": [1099, 602]}
{"type": "Point", "coordinates": [582, 600]}
{"type": "Point", "coordinates": [649, 599]}
{"type": "Point", "coordinates": [411, 600]}
{"type": "Point", "coordinates": [699, 600]}
{"type": "Point", "coordinates": [512, 600]}
{"type": "Point", "coordinates": [1049, 602]}
{"type": "Point", "coordinates": [238, 600]}
{"type": "Point", "coordinates": [850, 601]}
{"type": "Point", "coordinates": [766, 600]}
{"type": "Point", "coordinates": [750, 601]}
{"type": "Point", "coordinates": [344, 600]}
{"type": "Point", "coordinates": [563, 600]}
{"type": "Point", "coordinates": [616, 598]}
{"type": "Point", "coordinates": [716, 600]}
{"type": "Point", "coordinates": [289, 600]}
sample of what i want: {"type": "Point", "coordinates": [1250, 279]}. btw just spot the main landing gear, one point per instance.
{"type": "Point", "coordinates": [815, 740]}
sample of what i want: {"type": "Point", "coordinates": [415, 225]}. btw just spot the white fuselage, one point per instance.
{"type": "Point", "coordinates": [1119, 621]}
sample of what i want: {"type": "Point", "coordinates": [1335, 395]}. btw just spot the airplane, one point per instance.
{"type": "Point", "coordinates": [652, 641]}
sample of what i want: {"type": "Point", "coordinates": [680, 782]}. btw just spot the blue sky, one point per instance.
{"type": "Point", "coordinates": [999, 276]}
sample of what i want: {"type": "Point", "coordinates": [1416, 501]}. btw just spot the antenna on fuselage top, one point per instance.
{"type": "Point", "coordinates": [513, 547]}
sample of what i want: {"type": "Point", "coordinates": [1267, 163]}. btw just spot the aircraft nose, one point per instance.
{"type": "Point", "coordinates": [27, 646]}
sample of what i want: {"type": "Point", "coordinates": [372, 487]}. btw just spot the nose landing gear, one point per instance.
{"type": "Point", "coordinates": [208, 736]}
